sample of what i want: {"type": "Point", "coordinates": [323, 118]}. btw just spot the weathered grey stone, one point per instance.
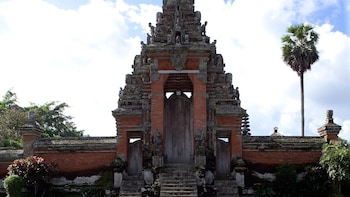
{"type": "Point", "coordinates": [148, 177]}
{"type": "Point", "coordinates": [157, 161]}
{"type": "Point", "coordinates": [118, 177]}
{"type": "Point", "coordinates": [199, 160]}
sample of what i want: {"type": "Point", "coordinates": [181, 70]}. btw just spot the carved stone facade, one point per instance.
{"type": "Point", "coordinates": [178, 58]}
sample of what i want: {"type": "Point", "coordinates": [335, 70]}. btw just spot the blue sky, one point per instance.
{"type": "Point", "coordinates": [79, 52]}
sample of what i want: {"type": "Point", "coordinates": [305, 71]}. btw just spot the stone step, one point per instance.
{"type": "Point", "coordinates": [226, 188]}
{"type": "Point", "coordinates": [131, 188]}
{"type": "Point", "coordinates": [178, 180]}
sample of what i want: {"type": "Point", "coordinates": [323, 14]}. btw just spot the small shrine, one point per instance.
{"type": "Point", "coordinates": [179, 106]}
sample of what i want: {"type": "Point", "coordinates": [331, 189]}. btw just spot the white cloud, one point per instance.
{"type": "Point", "coordinates": [81, 57]}
{"type": "Point", "coordinates": [78, 57]}
{"type": "Point", "coordinates": [345, 132]}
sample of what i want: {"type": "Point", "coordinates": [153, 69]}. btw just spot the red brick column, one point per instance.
{"type": "Point", "coordinates": [30, 132]}
{"type": "Point", "coordinates": [157, 105]}
{"type": "Point", "coordinates": [236, 138]}
{"type": "Point", "coordinates": [199, 103]}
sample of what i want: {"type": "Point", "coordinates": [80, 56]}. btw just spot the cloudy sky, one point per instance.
{"type": "Point", "coordinates": [79, 51]}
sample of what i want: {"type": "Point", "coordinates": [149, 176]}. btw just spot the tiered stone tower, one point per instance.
{"type": "Point", "coordinates": [179, 105]}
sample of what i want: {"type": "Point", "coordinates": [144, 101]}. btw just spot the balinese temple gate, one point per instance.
{"type": "Point", "coordinates": [179, 105]}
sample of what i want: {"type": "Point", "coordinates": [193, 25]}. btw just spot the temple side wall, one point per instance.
{"type": "Point", "coordinates": [262, 151]}
{"type": "Point", "coordinates": [77, 156]}
{"type": "Point", "coordinates": [6, 158]}
{"type": "Point", "coordinates": [84, 156]}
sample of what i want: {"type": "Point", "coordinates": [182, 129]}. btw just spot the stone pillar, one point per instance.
{"type": "Point", "coordinates": [329, 130]}
{"type": "Point", "coordinates": [30, 132]}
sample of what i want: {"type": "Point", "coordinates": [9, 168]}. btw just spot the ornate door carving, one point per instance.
{"type": "Point", "coordinates": [178, 129]}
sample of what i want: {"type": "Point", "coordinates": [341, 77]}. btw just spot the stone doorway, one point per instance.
{"type": "Point", "coordinates": [223, 157]}
{"type": "Point", "coordinates": [134, 156]}
{"type": "Point", "coordinates": [178, 129]}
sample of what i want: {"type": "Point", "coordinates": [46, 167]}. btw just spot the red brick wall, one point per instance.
{"type": "Point", "coordinates": [192, 64]}
{"type": "Point", "coordinates": [164, 64]}
{"type": "Point", "coordinates": [79, 163]}
{"type": "Point", "coordinates": [276, 157]}
{"type": "Point", "coordinates": [3, 168]}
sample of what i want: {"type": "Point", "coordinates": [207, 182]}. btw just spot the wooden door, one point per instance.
{"type": "Point", "coordinates": [178, 129]}
{"type": "Point", "coordinates": [222, 158]}
{"type": "Point", "coordinates": [135, 158]}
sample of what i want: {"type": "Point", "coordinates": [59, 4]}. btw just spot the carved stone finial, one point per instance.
{"type": "Point", "coordinates": [329, 116]}
{"type": "Point", "coordinates": [31, 117]}
{"type": "Point", "coordinates": [329, 130]}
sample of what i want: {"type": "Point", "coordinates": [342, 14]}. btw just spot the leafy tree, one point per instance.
{"type": "Point", "coordinates": [336, 159]}
{"type": "Point", "coordinates": [9, 99]}
{"type": "Point", "coordinates": [12, 117]}
{"type": "Point", "coordinates": [299, 52]}
{"type": "Point", "coordinates": [53, 121]}
{"type": "Point", "coordinates": [49, 116]}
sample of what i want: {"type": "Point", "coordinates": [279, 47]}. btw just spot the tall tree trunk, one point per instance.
{"type": "Point", "coordinates": [302, 103]}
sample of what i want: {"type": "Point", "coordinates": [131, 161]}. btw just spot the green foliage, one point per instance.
{"type": "Point", "coordinates": [5, 142]}
{"type": "Point", "coordinates": [50, 118]}
{"type": "Point", "coordinates": [315, 182]}
{"type": "Point", "coordinates": [12, 117]}
{"type": "Point", "coordinates": [299, 47]}
{"type": "Point", "coordinates": [9, 99]}
{"type": "Point", "coordinates": [106, 180]}
{"type": "Point", "coordinates": [13, 185]}
{"type": "Point", "coordinates": [285, 184]}
{"type": "Point", "coordinates": [93, 192]}
{"type": "Point", "coordinates": [336, 159]}
{"type": "Point", "coordinates": [34, 172]}
{"type": "Point", "coordinates": [53, 121]}
{"type": "Point", "coordinates": [119, 164]}
{"type": "Point", "coordinates": [262, 190]}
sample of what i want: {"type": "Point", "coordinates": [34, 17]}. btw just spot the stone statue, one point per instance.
{"type": "Point", "coordinates": [228, 78]}
{"type": "Point", "coordinates": [203, 27]}
{"type": "Point", "coordinates": [143, 45]}
{"type": "Point", "coordinates": [198, 16]}
{"type": "Point", "coordinates": [236, 93]}
{"type": "Point", "coordinates": [169, 40]}
{"type": "Point", "coordinates": [200, 142]}
{"type": "Point", "coordinates": [159, 18]}
{"type": "Point", "coordinates": [187, 39]}
{"type": "Point", "coordinates": [177, 39]}
{"type": "Point", "coordinates": [153, 33]}
{"type": "Point", "coordinates": [158, 143]}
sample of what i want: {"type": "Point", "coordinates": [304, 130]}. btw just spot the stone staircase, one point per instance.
{"type": "Point", "coordinates": [226, 188]}
{"type": "Point", "coordinates": [178, 180]}
{"type": "Point", "coordinates": [131, 188]}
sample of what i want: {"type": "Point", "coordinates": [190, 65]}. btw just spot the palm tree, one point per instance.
{"type": "Point", "coordinates": [299, 52]}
